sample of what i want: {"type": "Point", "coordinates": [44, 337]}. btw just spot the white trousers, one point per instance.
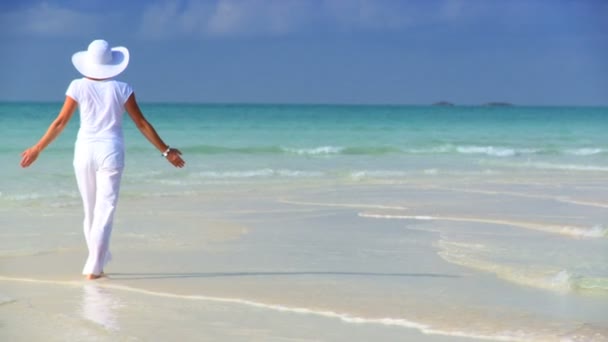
{"type": "Point", "coordinates": [98, 166]}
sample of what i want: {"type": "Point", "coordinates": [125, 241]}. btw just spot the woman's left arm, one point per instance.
{"type": "Point", "coordinates": [31, 154]}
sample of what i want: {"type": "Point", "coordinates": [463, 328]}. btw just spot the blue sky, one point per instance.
{"type": "Point", "coordinates": [529, 52]}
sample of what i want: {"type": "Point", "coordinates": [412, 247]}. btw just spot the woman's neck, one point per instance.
{"type": "Point", "coordinates": [96, 79]}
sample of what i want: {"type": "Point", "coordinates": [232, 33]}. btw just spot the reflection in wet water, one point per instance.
{"type": "Point", "coordinates": [99, 306]}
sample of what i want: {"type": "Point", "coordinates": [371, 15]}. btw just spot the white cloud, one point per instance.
{"type": "Point", "coordinates": [229, 17]}
{"type": "Point", "coordinates": [221, 18]}
{"type": "Point", "coordinates": [270, 17]}
{"type": "Point", "coordinates": [368, 14]}
{"type": "Point", "coordinates": [273, 17]}
{"type": "Point", "coordinates": [49, 20]}
{"type": "Point", "coordinates": [160, 20]}
{"type": "Point", "coordinates": [166, 19]}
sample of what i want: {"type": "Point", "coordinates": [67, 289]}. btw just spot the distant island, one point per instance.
{"type": "Point", "coordinates": [443, 104]}
{"type": "Point", "coordinates": [498, 104]}
{"type": "Point", "coordinates": [487, 104]}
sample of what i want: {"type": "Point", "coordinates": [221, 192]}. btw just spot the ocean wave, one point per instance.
{"type": "Point", "coordinates": [344, 317]}
{"type": "Point", "coordinates": [564, 167]}
{"type": "Point", "coordinates": [213, 149]}
{"type": "Point", "coordinates": [371, 150]}
{"type": "Point", "coordinates": [343, 205]}
{"type": "Point", "coordinates": [588, 284]}
{"type": "Point", "coordinates": [6, 300]}
{"type": "Point", "coordinates": [479, 257]}
{"type": "Point", "coordinates": [351, 150]}
{"type": "Point", "coordinates": [397, 217]}
{"type": "Point", "coordinates": [594, 232]}
{"type": "Point", "coordinates": [358, 175]}
{"type": "Point", "coordinates": [597, 231]}
{"type": "Point", "coordinates": [259, 173]}
{"type": "Point", "coordinates": [322, 150]}
{"type": "Point", "coordinates": [34, 196]}
{"type": "Point", "coordinates": [301, 151]}
{"type": "Point", "coordinates": [494, 151]}
{"type": "Point", "coordinates": [589, 151]}
{"type": "Point", "coordinates": [432, 150]}
{"type": "Point", "coordinates": [540, 165]}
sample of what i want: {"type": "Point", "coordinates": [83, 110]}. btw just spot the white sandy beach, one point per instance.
{"type": "Point", "coordinates": [326, 261]}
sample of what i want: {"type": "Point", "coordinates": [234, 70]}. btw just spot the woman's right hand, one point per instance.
{"type": "Point", "coordinates": [29, 156]}
{"type": "Point", "coordinates": [174, 157]}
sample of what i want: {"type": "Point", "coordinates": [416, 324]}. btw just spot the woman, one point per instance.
{"type": "Point", "coordinates": [99, 148]}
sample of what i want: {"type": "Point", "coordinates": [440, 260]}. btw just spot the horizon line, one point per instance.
{"type": "Point", "coordinates": [445, 104]}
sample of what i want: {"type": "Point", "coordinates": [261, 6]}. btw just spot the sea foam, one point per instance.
{"type": "Point", "coordinates": [322, 150]}
{"type": "Point", "coordinates": [488, 150]}
{"type": "Point", "coordinates": [341, 316]}
{"type": "Point", "coordinates": [573, 231]}
{"type": "Point", "coordinates": [598, 231]}
{"type": "Point", "coordinates": [257, 173]}
{"type": "Point", "coordinates": [479, 257]}
{"type": "Point", "coordinates": [589, 151]}
{"type": "Point", "coordinates": [6, 300]}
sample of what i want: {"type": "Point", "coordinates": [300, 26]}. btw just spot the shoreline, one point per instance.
{"type": "Point", "coordinates": [307, 250]}
{"type": "Point", "coordinates": [420, 329]}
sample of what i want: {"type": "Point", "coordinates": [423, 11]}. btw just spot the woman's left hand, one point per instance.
{"type": "Point", "coordinates": [174, 157]}
{"type": "Point", "coordinates": [29, 156]}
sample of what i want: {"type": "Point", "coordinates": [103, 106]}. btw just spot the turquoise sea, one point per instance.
{"type": "Point", "coordinates": [468, 221]}
{"type": "Point", "coordinates": [240, 143]}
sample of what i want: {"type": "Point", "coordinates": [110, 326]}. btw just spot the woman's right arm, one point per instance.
{"type": "Point", "coordinates": [31, 154]}
{"type": "Point", "coordinates": [174, 155]}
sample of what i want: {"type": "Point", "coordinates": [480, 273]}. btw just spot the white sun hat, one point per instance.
{"type": "Point", "coordinates": [100, 61]}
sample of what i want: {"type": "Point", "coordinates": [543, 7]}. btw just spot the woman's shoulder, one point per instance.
{"type": "Point", "coordinates": [122, 88]}
{"type": "Point", "coordinates": [74, 87]}
{"type": "Point", "coordinates": [118, 81]}
{"type": "Point", "coordinates": [120, 84]}
{"type": "Point", "coordinates": [77, 81]}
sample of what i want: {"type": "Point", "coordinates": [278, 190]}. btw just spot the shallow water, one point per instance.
{"type": "Point", "coordinates": [320, 222]}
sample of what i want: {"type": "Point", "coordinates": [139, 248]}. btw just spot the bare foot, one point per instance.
{"type": "Point", "coordinates": [94, 276]}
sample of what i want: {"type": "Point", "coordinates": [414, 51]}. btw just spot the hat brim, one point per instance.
{"type": "Point", "coordinates": [120, 60]}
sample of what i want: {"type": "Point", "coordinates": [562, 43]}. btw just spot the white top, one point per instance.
{"type": "Point", "coordinates": [101, 105]}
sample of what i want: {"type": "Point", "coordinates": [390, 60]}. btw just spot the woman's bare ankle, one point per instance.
{"type": "Point", "coordinates": [93, 276]}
